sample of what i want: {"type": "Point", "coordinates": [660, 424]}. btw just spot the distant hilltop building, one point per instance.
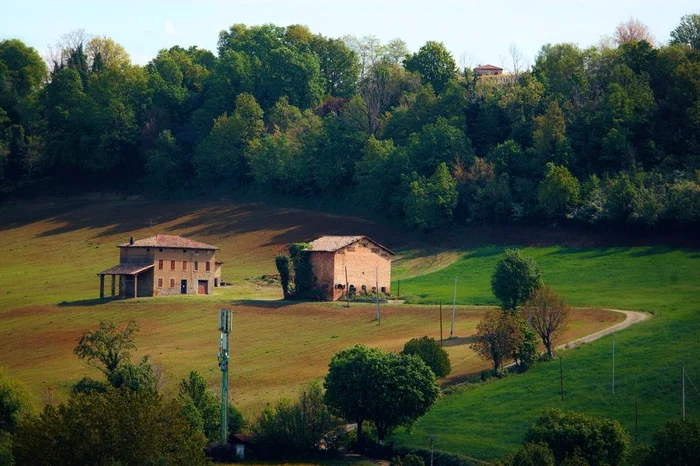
{"type": "Point", "coordinates": [487, 70]}
{"type": "Point", "coordinates": [163, 265]}
{"type": "Point", "coordinates": [363, 259]}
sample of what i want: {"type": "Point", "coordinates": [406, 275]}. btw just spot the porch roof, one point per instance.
{"type": "Point", "coordinates": [127, 269]}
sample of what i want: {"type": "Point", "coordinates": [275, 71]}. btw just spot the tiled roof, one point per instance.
{"type": "Point", "coordinates": [333, 243]}
{"type": "Point", "coordinates": [167, 241]}
{"type": "Point", "coordinates": [488, 67]}
{"type": "Point", "coordinates": [126, 269]}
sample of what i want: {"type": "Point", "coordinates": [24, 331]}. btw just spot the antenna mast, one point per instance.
{"type": "Point", "coordinates": [225, 327]}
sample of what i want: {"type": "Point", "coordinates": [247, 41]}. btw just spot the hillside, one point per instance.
{"type": "Point", "coordinates": [54, 250]}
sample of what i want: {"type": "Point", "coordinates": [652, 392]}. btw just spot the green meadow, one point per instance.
{"type": "Point", "coordinates": [489, 420]}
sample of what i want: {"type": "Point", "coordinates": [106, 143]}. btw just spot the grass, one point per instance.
{"type": "Point", "coordinates": [48, 288]}
{"type": "Point", "coordinates": [489, 420]}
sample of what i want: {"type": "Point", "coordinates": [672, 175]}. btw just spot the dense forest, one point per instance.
{"type": "Point", "coordinates": [607, 135]}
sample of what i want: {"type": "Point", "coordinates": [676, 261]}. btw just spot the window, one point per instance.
{"type": "Point", "coordinates": [184, 250]}
{"type": "Point", "coordinates": [160, 283]}
{"type": "Point", "coordinates": [184, 265]}
{"type": "Point", "coordinates": [160, 249]}
{"type": "Point", "coordinates": [172, 265]}
{"type": "Point", "coordinates": [160, 264]}
{"type": "Point", "coordinates": [208, 266]}
{"type": "Point", "coordinates": [196, 265]}
{"type": "Point", "coordinates": [172, 283]}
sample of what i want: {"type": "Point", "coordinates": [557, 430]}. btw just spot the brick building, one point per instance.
{"type": "Point", "coordinates": [363, 258]}
{"type": "Point", "coordinates": [163, 265]}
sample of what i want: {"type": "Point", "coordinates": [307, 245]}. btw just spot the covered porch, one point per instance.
{"type": "Point", "coordinates": [128, 280]}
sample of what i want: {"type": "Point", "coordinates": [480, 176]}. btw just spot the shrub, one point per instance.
{"type": "Point", "coordinates": [432, 354]}
{"type": "Point", "coordinates": [597, 440]}
{"type": "Point", "coordinates": [677, 442]}
{"type": "Point", "coordinates": [282, 263]}
{"type": "Point", "coordinates": [534, 454]}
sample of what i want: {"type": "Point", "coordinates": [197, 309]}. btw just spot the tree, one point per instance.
{"type": "Point", "coordinates": [300, 427]}
{"type": "Point", "coordinates": [388, 389]}
{"type": "Point", "coordinates": [598, 440]}
{"type": "Point", "coordinates": [534, 454]}
{"type": "Point", "coordinates": [25, 71]}
{"type": "Point", "coordinates": [676, 443]}
{"type": "Point", "coordinates": [116, 427]}
{"type": "Point", "coordinates": [196, 390]}
{"type": "Point", "coordinates": [164, 165]}
{"type": "Point", "coordinates": [548, 314]}
{"type": "Point", "coordinates": [526, 352]}
{"type": "Point", "coordinates": [688, 32]}
{"type": "Point", "coordinates": [282, 264]}
{"type": "Point", "coordinates": [632, 30]}
{"type": "Point", "coordinates": [559, 192]}
{"type": "Point", "coordinates": [339, 66]}
{"type": "Point", "coordinates": [515, 278]}
{"type": "Point", "coordinates": [109, 351]}
{"type": "Point", "coordinates": [498, 336]}
{"type": "Point", "coordinates": [15, 403]}
{"type": "Point", "coordinates": [434, 63]}
{"type": "Point", "coordinates": [432, 354]}
{"type": "Point", "coordinates": [430, 202]}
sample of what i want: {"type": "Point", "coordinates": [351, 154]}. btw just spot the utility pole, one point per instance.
{"type": "Point", "coordinates": [379, 314]}
{"type": "Point", "coordinates": [636, 419]}
{"type": "Point", "coordinates": [613, 365]}
{"type": "Point", "coordinates": [454, 302]}
{"type": "Point", "coordinates": [683, 392]}
{"type": "Point", "coordinates": [431, 439]}
{"type": "Point", "coordinates": [225, 328]}
{"type": "Point", "coordinates": [561, 377]}
{"type": "Point", "coordinates": [441, 324]}
{"type": "Point", "coordinates": [398, 292]}
{"type": "Point", "coordinates": [347, 289]}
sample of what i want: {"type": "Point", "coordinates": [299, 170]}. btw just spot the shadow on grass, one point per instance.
{"type": "Point", "coordinates": [457, 341]}
{"type": "Point", "coordinates": [88, 302]}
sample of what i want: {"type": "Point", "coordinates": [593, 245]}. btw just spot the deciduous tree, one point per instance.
{"type": "Point", "coordinates": [432, 354]}
{"type": "Point", "coordinates": [515, 278]}
{"type": "Point", "coordinates": [548, 314]}
{"type": "Point", "coordinates": [498, 335]}
{"type": "Point", "coordinates": [434, 63]}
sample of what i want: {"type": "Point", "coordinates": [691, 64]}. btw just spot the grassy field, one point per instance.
{"type": "Point", "coordinates": [48, 288]}
{"type": "Point", "coordinates": [489, 420]}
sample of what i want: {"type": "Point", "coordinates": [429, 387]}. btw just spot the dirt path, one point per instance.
{"type": "Point", "coordinates": [631, 318]}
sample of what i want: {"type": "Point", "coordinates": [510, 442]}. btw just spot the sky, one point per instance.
{"type": "Point", "coordinates": [475, 31]}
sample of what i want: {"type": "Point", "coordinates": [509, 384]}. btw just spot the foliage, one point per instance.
{"type": "Point", "coordinates": [303, 272]}
{"type": "Point", "coordinates": [597, 440]}
{"type": "Point", "coordinates": [410, 459]}
{"type": "Point", "coordinates": [677, 442]}
{"type": "Point", "coordinates": [430, 202]}
{"type": "Point", "coordinates": [434, 63]}
{"type": "Point", "coordinates": [297, 428]}
{"type": "Point", "coordinates": [14, 403]}
{"type": "Point", "coordinates": [498, 337]}
{"type": "Point", "coordinates": [282, 264]}
{"type": "Point", "coordinates": [106, 348]}
{"type": "Point", "coordinates": [515, 278]}
{"type": "Point", "coordinates": [688, 32]}
{"type": "Point", "coordinates": [534, 454]}
{"type": "Point", "coordinates": [525, 354]}
{"type": "Point", "coordinates": [194, 389]}
{"type": "Point", "coordinates": [548, 315]}
{"type": "Point", "coordinates": [558, 193]}
{"type": "Point", "coordinates": [118, 426]}
{"type": "Point", "coordinates": [432, 354]}
{"type": "Point", "coordinates": [388, 389]}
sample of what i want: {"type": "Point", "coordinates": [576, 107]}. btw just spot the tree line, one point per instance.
{"type": "Point", "coordinates": [600, 135]}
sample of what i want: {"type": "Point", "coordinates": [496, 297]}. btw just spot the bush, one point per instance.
{"type": "Point", "coordinates": [432, 354]}
{"type": "Point", "coordinates": [282, 263]}
{"type": "Point", "coordinates": [298, 428]}
{"type": "Point", "coordinates": [533, 454]}
{"type": "Point", "coordinates": [677, 442]}
{"type": "Point", "coordinates": [597, 440]}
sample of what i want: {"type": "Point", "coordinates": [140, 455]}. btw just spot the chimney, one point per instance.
{"type": "Point", "coordinates": [131, 240]}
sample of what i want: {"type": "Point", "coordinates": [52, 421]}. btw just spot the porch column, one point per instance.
{"type": "Point", "coordinates": [121, 287]}
{"type": "Point", "coordinates": [114, 279]}
{"type": "Point", "coordinates": [136, 286]}
{"type": "Point", "coordinates": [102, 286]}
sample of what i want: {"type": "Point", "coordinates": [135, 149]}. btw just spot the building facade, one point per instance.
{"type": "Point", "coordinates": [163, 265]}
{"type": "Point", "coordinates": [354, 263]}
{"type": "Point", "coordinates": [487, 70]}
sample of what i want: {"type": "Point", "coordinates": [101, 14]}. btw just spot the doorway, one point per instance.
{"type": "Point", "coordinates": [183, 286]}
{"type": "Point", "coordinates": [203, 287]}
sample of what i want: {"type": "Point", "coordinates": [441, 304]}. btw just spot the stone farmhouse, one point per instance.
{"type": "Point", "coordinates": [354, 262]}
{"type": "Point", "coordinates": [163, 265]}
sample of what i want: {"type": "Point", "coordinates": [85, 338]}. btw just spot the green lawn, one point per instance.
{"type": "Point", "coordinates": [489, 420]}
